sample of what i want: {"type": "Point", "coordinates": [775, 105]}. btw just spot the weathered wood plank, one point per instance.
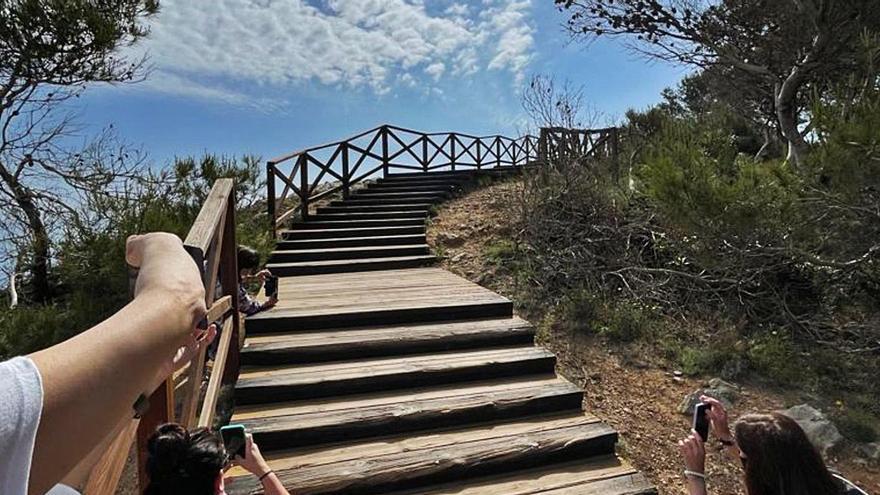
{"type": "Point", "coordinates": [265, 384]}
{"type": "Point", "coordinates": [604, 475]}
{"type": "Point", "coordinates": [468, 458]}
{"type": "Point", "coordinates": [294, 348]}
{"type": "Point", "coordinates": [412, 415]}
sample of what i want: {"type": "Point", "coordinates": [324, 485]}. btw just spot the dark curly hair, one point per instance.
{"type": "Point", "coordinates": [183, 463]}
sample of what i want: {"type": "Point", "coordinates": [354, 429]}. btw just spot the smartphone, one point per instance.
{"type": "Point", "coordinates": [234, 440]}
{"type": "Point", "coordinates": [272, 287]}
{"type": "Point", "coordinates": [701, 422]}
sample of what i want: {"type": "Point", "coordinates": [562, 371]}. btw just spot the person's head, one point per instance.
{"type": "Point", "coordinates": [778, 458]}
{"type": "Point", "coordinates": [248, 261]}
{"type": "Point", "coordinates": [185, 463]}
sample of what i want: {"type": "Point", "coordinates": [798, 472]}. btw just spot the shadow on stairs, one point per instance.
{"type": "Point", "coordinates": [377, 373]}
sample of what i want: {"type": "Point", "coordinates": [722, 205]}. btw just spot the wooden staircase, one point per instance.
{"type": "Point", "coordinates": [377, 373]}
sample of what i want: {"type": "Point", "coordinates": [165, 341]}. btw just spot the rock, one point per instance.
{"type": "Point", "coordinates": [458, 257]}
{"type": "Point", "coordinates": [719, 389]}
{"type": "Point", "coordinates": [677, 373]}
{"type": "Point", "coordinates": [450, 239]}
{"type": "Point", "coordinates": [819, 429]}
{"type": "Point", "coordinates": [870, 451]}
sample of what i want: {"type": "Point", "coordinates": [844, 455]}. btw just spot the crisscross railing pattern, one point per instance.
{"type": "Point", "coordinates": [561, 143]}
{"type": "Point", "coordinates": [308, 175]}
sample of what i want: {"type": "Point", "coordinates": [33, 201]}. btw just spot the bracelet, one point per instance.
{"type": "Point", "coordinates": [267, 473]}
{"type": "Point", "coordinates": [726, 443]}
{"type": "Point", "coordinates": [694, 474]}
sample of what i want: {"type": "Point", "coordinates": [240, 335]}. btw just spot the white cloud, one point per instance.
{"type": "Point", "coordinates": [205, 47]}
{"type": "Point", "coordinates": [436, 70]}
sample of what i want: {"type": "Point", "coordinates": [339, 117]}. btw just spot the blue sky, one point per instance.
{"type": "Point", "coordinates": [270, 76]}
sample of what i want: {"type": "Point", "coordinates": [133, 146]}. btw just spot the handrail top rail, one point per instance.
{"type": "Point", "coordinates": [579, 131]}
{"type": "Point", "coordinates": [303, 151]}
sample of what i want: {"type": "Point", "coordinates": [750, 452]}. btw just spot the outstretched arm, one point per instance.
{"type": "Point", "coordinates": [91, 381]}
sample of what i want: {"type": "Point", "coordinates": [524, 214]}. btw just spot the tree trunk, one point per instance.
{"type": "Point", "coordinates": [39, 236]}
{"type": "Point", "coordinates": [787, 115]}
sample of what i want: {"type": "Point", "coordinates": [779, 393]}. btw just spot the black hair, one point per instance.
{"type": "Point", "coordinates": [248, 258]}
{"type": "Point", "coordinates": [183, 463]}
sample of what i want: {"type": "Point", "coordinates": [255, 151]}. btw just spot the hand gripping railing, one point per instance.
{"type": "Point", "coordinates": [211, 243]}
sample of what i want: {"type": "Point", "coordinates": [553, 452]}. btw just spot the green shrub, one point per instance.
{"type": "Point", "coordinates": [93, 280]}
{"type": "Point", "coordinates": [775, 356]}
{"type": "Point", "coordinates": [858, 425]}
{"type": "Point", "coordinates": [500, 251]}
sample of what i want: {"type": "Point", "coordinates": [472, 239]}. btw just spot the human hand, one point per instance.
{"type": "Point", "coordinates": [271, 302]}
{"type": "Point", "coordinates": [165, 268]}
{"type": "Point", "coordinates": [263, 275]}
{"type": "Point", "coordinates": [253, 460]}
{"type": "Point", "coordinates": [199, 339]}
{"type": "Point", "coordinates": [717, 418]}
{"type": "Point", "coordinates": [694, 452]}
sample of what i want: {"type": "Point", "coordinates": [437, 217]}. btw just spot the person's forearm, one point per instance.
{"type": "Point", "coordinates": [272, 485]}
{"type": "Point", "coordinates": [696, 486]}
{"type": "Point", "coordinates": [79, 476]}
{"type": "Point", "coordinates": [91, 381]}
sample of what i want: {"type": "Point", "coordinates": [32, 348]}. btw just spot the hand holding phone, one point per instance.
{"type": "Point", "coordinates": [234, 440]}
{"type": "Point", "coordinates": [272, 287]}
{"type": "Point", "coordinates": [701, 421]}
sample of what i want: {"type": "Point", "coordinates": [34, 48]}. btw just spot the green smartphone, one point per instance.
{"type": "Point", "coordinates": [234, 440]}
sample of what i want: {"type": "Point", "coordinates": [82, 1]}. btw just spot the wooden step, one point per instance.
{"type": "Point", "coordinates": [387, 240]}
{"type": "Point", "coordinates": [407, 462]}
{"type": "Point", "coordinates": [339, 344]}
{"type": "Point", "coordinates": [372, 215]}
{"type": "Point", "coordinates": [600, 475]}
{"type": "Point", "coordinates": [458, 174]}
{"type": "Point", "coordinates": [414, 186]}
{"type": "Point", "coordinates": [348, 253]}
{"type": "Point", "coordinates": [293, 269]}
{"type": "Point", "coordinates": [406, 182]}
{"type": "Point", "coordinates": [374, 194]}
{"type": "Point", "coordinates": [404, 413]}
{"type": "Point", "coordinates": [318, 222]}
{"type": "Point", "coordinates": [340, 206]}
{"type": "Point", "coordinates": [371, 201]}
{"type": "Point", "coordinates": [388, 297]}
{"type": "Point", "coordinates": [353, 232]}
{"type": "Point", "coordinates": [261, 384]}
{"type": "Point", "coordinates": [389, 189]}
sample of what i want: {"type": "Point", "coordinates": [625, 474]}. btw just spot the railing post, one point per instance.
{"type": "Point", "coordinates": [270, 195]}
{"type": "Point", "coordinates": [497, 151]}
{"type": "Point", "coordinates": [452, 151]}
{"type": "Point", "coordinates": [543, 145]}
{"type": "Point", "coordinates": [346, 184]}
{"type": "Point", "coordinates": [304, 185]}
{"type": "Point", "coordinates": [425, 153]}
{"type": "Point", "coordinates": [479, 156]}
{"type": "Point", "coordinates": [385, 161]}
{"type": "Point", "coordinates": [229, 283]}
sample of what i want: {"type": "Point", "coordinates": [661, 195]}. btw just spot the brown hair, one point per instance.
{"type": "Point", "coordinates": [779, 458]}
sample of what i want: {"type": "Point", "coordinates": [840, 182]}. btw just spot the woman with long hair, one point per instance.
{"type": "Point", "coordinates": [776, 455]}
{"type": "Point", "coordinates": [181, 462]}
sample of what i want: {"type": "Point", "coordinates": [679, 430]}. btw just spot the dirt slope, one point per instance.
{"type": "Point", "coordinates": [631, 390]}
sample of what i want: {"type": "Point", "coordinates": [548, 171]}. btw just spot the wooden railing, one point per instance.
{"type": "Point", "coordinates": [559, 144]}
{"type": "Point", "coordinates": [308, 175]}
{"type": "Point", "coordinates": [211, 243]}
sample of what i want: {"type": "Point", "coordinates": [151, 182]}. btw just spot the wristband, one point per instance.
{"type": "Point", "coordinates": [694, 474]}
{"type": "Point", "coordinates": [267, 473]}
{"type": "Point", "coordinates": [726, 443]}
